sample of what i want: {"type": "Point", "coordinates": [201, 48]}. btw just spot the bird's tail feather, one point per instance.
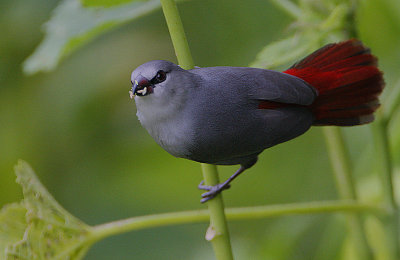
{"type": "Point", "coordinates": [348, 82]}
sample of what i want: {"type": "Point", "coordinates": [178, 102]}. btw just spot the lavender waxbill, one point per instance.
{"type": "Point", "coordinates": [229, 115]}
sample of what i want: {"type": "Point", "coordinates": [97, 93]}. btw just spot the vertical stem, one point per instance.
{"type": "Point", "coordinates": [346, 188]}
{"type": "Point", "coordinates": [217, 233]}
{"type": "Point", "coordinates": [382, 156]}
{"type": "Point", "coordinates": [340, 163]}
{"type": "Point", "coordinates": [177, 33]}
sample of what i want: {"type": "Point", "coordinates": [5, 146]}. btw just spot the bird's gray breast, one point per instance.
{"type": "Point", "coordinates": [175, 136]}
{"type": "Point", "coordinates": [168, 126]}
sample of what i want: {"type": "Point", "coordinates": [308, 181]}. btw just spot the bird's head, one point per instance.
{"type": "Point", "coordinates": [156, 78]}
{"type": "Point", "coordinates": [160, 88]}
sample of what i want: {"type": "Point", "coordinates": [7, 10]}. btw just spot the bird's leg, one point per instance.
{"type": "Point", "coordinates": [216, 189]}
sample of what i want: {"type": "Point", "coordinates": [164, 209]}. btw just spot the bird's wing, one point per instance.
{"type": "Point", "coordinates": [281, 88]}
{"type": "Point", "coordinates": [257, 84]}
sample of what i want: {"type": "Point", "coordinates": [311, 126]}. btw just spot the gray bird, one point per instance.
{"type": "Point", "coordinates": [229, 115]}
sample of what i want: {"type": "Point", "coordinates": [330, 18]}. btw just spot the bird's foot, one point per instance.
{"type": "Point", "coordinates": [212, 191]}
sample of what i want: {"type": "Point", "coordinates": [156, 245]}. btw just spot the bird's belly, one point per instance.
{"type": "Point", "coordinates": [234, 140]}
{"type": "Point", "coordinates": [246, 137]}
{"type": "Point", "coordinates": [172, 136]}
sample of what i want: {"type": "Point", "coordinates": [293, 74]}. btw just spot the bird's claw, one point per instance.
{"type": "Point", "coordinates": [212, 191]}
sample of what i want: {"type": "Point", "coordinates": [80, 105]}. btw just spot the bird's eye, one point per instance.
{"type": "Point", "coordinates": [160, 76]}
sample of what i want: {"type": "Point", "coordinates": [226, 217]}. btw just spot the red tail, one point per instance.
{"type": "Point", "coordinates": [348, 82]}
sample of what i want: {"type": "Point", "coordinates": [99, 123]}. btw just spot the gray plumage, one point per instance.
{"type": "Point", "coordinates": [211, 115]}
{"type": "Point", "coordinates": [229, 115]}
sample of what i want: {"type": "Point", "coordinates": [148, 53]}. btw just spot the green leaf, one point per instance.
{"type": "Point", "coordinates": [312, 31]}
{"type": "Point", "coordinates": [12, 226]}
{"type": "Point", "coordinates": [105, 3]}
{"type": "Point", "coordinates": [71, 26]}
{"type": "Point", "coordinates": [287, 50]}
{"type": "Point", "coordinates": [38, 227]}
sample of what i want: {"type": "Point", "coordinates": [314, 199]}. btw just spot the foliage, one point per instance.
{"type": "Point", "coordinates": [318, 24]}
{"type": "Point", "coordinates": [38, 227]}
{"type": "Point", "coordinates": [74, 24]}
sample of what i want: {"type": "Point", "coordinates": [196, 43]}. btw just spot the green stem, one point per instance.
{"type": "Point", "coordinates": [199, 216]}
{"type": "Point", "coordinates": [340, 163]}
{"type": "Point", "coordinates": [177, 33]}
{"type": "Point", "coordinates": [382, 156]}
{"type": "Point", "coordinates": [217, 233]}
{"type": "Point", "coordinates": [382, 153]}
{"type": "Point", "coordinates": [288, 7]}
{"type": "Point", "coordinates": [392, 103]}
{"type": "Point", "coordinates": [344, 181]}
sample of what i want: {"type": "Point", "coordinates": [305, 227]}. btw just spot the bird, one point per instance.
{"type": "Point", "coordinates": [229, 115]}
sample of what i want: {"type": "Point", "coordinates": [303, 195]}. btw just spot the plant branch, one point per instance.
{"type": "Point", "coordinates": [382, 156]}
{"type": "Point", "coordinates": [393, 103]}
{"type": "Point", "coordinates": [217, 233]}
{"type": "Point", "coordinates": [344, 181]}
{"type": "Point", "coordinates": [199, 216]}
{"type": "Point", "coordinates": [340, 163]}
{"type": "Point", "coordinates": [382, 153]}
{"type": "Point", "coordinates": [177, 33]}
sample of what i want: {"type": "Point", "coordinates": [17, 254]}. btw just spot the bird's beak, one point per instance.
{"type": "Point", "coordinates": [141, 87]}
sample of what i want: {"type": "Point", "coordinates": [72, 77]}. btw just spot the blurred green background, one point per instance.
{"type": "Point", "coordinates": [77, 127]}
